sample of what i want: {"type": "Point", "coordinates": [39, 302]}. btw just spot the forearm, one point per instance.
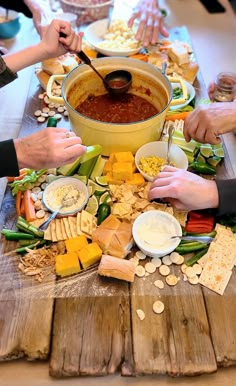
{"type": "Point", "coordinates": [25, 58]}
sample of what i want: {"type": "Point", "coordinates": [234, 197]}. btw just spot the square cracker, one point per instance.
{"type": "Point", "coordinates": [215, 277]}
{"type": "Point", "coordinates": [88, 223]}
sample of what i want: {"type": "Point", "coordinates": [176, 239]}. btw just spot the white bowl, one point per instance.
{"type": "Point", "coordinates": [159, 149]}
{"type": "Point", "coordinates": [191, 93]}
{"type": "Point", "coordinates": [152, 231]}
{"type": "Point", "coordinates": [55, 191]}
{"type": "Point", "coordinates": [94, 34]}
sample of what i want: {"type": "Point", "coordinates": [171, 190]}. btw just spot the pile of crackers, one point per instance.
{"type": "Point", "coordinates": [67, 227]}
{"type": "Point", "coordinates": [219, 260]}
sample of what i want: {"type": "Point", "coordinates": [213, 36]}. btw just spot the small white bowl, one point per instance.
{"type": "Point", "coordinates": [191, 93]}
{"type": "Point", "coordinates": [52, 197]}
{"type": "Point", "coordinates": [159, 149]}
{"type": "Point", "coordinates": [152, 231]}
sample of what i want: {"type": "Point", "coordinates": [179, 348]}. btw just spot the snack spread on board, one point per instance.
{"type": "Point", "coordinates": [100, 235]}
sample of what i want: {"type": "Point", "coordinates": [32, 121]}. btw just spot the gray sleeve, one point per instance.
{"type": "Point", "coordinates": [227, 196]}
{"type": "Point", "coordinates": [6, 75]}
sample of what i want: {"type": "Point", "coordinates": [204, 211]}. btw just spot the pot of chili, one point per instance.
{"type": "Point", "coordinates": [121, 123]}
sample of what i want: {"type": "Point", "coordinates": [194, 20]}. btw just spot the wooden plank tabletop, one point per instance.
{"type": "Point", "coordinates": [96, 331]}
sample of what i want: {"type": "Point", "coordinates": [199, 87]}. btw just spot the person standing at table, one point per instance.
{"type": "Point", "coordinates": [151, 22]}
{"type": "Point", "coordinates": [52, 146]}
{"type": "Point", "coordinates": [38, 10]}
{"type": "Point", "coordinates": [188, 191]}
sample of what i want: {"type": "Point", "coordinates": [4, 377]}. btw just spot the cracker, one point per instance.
{"type": "Point", "coordinates": [72, 224]}
{"type": "Point", "coordinates": [58, 229]}
{"type": "Point", "coordinates": [215, 277]}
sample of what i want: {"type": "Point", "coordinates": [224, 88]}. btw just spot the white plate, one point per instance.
{"type": "Point", "coordinates": [191, 93]}
{"type": "Point", "coordinates": [94, 34]}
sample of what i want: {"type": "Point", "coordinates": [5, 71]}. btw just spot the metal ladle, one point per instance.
{"type": "Point", "coordinates": [116, 82]}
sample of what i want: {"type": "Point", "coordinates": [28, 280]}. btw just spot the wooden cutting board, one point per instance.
{"type": "Point", "coordinates": [94, 328]}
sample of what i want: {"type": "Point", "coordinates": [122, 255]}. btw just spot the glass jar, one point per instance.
{"type": "Point", "coordinates": [225, 90]}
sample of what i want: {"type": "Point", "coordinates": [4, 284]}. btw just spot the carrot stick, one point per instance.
{"type": "Point", "coordinates": [17, 178]}
{"type": "Point", "coordinates": [22, 207]}
{"type": "Point", "coordinates": [18, 203]}
{"type": "Point", "coordinates": [29, 206]}
{"type": "Point", "coordinates": [142, 57]}
{"type": "Point", "coordinates": [182, 115]}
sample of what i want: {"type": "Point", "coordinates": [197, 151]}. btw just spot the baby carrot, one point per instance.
{"type": "Point", "coordinates": [29, 206]}
{"type": "Point", "coordinates": [182, 115]}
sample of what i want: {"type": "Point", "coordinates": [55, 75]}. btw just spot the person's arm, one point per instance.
{"type": "Point", "coordinates": [206, 123]}
{"type": "Point", "coordinates": [184, 190]}
{"type": "Point", "coordinates": [41, 13]}
{"type": "Point", "coordinates": [151, 22]}
{"type": "Point", "coordinates": [227, 194]}
{"type": "Point", "coordinates": [8, 159]}
{"type": "Point", "coordinates": [48, 148]}
{"type": "Point", "coordinates": [51, 45]}
{"type": "Point", "coordinates": [6, 75]}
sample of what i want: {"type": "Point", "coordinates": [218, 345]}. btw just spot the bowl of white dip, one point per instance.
{"type": "Point", "coordinates": [152, 232]}
{"type": "Point", "coordinates": [75, 191]}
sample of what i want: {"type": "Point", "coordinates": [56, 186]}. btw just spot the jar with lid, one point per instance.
{"type": "Point", "coordinates": [225, 90]}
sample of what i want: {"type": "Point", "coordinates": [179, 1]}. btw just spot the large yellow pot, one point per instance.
{"type": "Point", "coordinates": [148, 82]}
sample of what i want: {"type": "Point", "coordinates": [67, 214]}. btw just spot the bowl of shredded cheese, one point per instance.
{"type": "Point", "coordinates": [151, 158]}
{"type": "Point", "coordinates": [72, 188]}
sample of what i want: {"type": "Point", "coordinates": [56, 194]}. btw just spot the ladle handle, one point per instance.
{"type": "Point", "coordinates": [84, 57]}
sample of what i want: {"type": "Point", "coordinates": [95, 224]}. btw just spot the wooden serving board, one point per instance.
{"type": "Point", "coordinates": [95, 329]}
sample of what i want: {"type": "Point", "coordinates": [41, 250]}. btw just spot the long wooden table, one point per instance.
{"type": "Point", "coordinates": [89, 325]}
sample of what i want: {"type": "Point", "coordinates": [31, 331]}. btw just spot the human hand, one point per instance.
{"type": "Point", "coordinates": [48, 148]}
{"type": "Point", "coordinates": [206, 123]}
{"type": "Point", "coordinates": [151, 22]}
{"type": "Point", "coordinates": [53, 45]}
{"type": "Point", "coordinates": [41, 14]}
{"type": "Point", "coordinates": [184, 190]}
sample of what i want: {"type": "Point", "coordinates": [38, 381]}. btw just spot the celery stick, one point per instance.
{"type": "Point", "coordinates": [98, 168]}
{"type": "Point", "coordinates": [92, 151]}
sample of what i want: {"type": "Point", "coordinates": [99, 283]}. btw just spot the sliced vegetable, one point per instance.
{"type": "Point", "coordinates": [104, 210]}
{"type": "Point", "coordinates": [31, 176]}
{"type": "Point", "coordinates": [185, 248]}
{"type": "Point", "coordinates": [38, 244]}
{"type": "Point", "coordinates": [26, 227]}
{"type": "Point", "coordinates": [18, 202]}
{"type": "Point", "coordinates": [23, 172]}
{"type": "Point", "coordinates": [86, 168]}
{"type": "Point", "coordinates": [182, 115]}
{"type": "Point", "coordinates": [194, 259]}
{"type": "Point", "coordinates": [98, 168]}
{"type": "Point", "coordinates": [202, 168]}
{"type": "Point", "coordinates": [15, 236]}
{"type": "Point", "coordinates": [29, 208]}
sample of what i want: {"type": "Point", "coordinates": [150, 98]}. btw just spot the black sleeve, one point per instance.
{"type": "Point", "coordinates": [227, 196]}
{"type": "Point", "coordinates": [18, 6]}
{"type": "Point", "coordinates": [8, 159]}
{"type": "Point", "coordinates": [6, 75]}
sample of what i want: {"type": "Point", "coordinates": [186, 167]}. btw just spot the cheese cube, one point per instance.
{"type": "Point", "coordinates": [136, 179]}
{"type": "Point", "coordinates": [123, 156]}
{"type": "Point", "coordinates": [74, 244]}
{"type": "Point", "coordinates": [90, 254]}
{"type": "Point", "coordinates": [122, 170]}
{"type": "Point", "coordinates": [67, 264]}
